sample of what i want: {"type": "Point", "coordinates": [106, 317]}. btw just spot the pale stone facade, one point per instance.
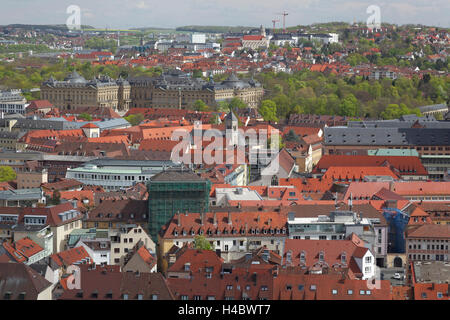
{"type": "Point", "coordinates": [75, 91]}
{"type": "Point", "coordinates": [177, 90]}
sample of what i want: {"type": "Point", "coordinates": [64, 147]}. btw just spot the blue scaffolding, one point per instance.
{"type": "Point", "coordinates": [397, 221]}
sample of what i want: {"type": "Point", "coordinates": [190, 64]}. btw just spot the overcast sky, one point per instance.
{"type": "Point", "coordinates": [173, 13]}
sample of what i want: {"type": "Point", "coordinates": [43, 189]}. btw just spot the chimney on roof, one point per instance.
{"type": "Point", "coordinates": [229, 218]}
{"type": "Point", "coordinates": [215, 219]}
{"type": "Point", "coordinates": [202, 218]}
{"type": "Point", "coordinates": [179, 219]}
{"type": "Point", "coordinates": [258, 218]}
{"type": "Point", "coordinates": [391, 186]}
{"type": "Point", "coordinates": [269, 222]}
{"type": "Point", "coordinates": [350, 202]}
{"type": "Point", "coordinates": [336, 201]}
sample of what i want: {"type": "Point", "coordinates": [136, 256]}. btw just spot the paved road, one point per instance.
{"type": "Point", "coordinates": [388, 274]}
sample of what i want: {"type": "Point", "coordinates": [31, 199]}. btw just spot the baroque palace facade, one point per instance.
{"type": "Point", "coordinates": [75, 91]}
{"type": "Point", "coordinates": [174, 89]}
{"type": "Point", "coordinates": [178, 90]}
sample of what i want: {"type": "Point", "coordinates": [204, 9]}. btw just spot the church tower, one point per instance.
{"type": "Point", "coordinates": [231, 126]}
{"type": "Point", "coordinates": [262, 30]}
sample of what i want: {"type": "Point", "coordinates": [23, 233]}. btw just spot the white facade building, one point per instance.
{"type": "Point", "coordinates": [99, 249]}
{"type": "Point", "coordinates": [12, 102]}
{"type": "Point", "coordinates": [198, 38]}
{"type": "Point", "coordinates": [117, 174]}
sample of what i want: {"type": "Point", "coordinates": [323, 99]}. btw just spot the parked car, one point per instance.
{"type": "Point", "coordinates": [398, 276]}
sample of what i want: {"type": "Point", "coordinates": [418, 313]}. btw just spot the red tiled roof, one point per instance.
{"type": "Point", "coordinates": [198, 260]}
{"type": "Point", "coordinates": [90, 125]}
{"type": "Point", "coordinates": [146, 256]}
{"type": "Point", "coordinates": [429, 291]}
{"type": "Point", "coordinates": [157, 145]}
{"type": "Point", "coordinates": [404, 164]}
{"type": "Point", "coordinates": [334, 251]}
{"type": "Point", "coordinates": [431, 231]}
{"type": "Point", "coordinates": [356, 173]}
{"type": "Point", "coordinates": [240, 222]}
{"type": "Point", "coordinates": [72, 256]}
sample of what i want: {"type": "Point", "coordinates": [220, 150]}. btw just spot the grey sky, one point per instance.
{"type": "Point", "coordinates": [172, 13]}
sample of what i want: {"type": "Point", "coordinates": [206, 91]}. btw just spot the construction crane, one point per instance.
{"type": "Point", "coordinates": [274, 22]}
{"type": "Point", "coordinates": [284, 14]}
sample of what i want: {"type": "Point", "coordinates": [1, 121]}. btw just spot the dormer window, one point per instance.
{"type": "Point", "coordinates": [187, 267]}
{"type": "Point", "coordinates": [343, 258]}
{"type": "Point", "coordinates": [289, 256]}
{"type": "Point", "coordinates": [321, 256]}
{"type": "Point", "coordinates": [303, 257]}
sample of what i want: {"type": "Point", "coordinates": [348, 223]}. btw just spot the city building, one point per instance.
{"type": "Point", "coordinates": [115, 174]}
{"type": "Point", "coordinates": [75, 91]}
{"type": "Point", "coordinates": [180, 91]}
{"type": "Point", "coordinates": [326, 222]}
{"type": "Point", "coordinates": [124, 239]}
{"type": "Point", "coordinates": [430, 280]}
{"type": "Point", "coordinates": [12, 102]}
{"type": "Point", "coordinates": [31, 179]}
{"type": "Point", "coordinates": [428, 242]}
{"type": "Point", "coordinates": [172, 191]}
{"type": "Point", "coordinates": [20, 282]}
{"type": "Point", "coordinates": [231, 234]}
{"type": "Point", "coordinates": [428, 137]}
{"type": "Point", "coordinates": [109, 283]}
{"type": "Point", "coordinates": [324, 256]}
{"type": "Point", "coordinates": [21, 197]}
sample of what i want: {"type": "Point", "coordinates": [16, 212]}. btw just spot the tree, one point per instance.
{"type": "Point", "coordinates": [349, 106]}
{"type": "Point", "coordinates": [268, 110]}
{"type": "Point", "coordinates": [85, 116]}
{"type": "Point", "coordinates": [197, 73]}
{"type": "Point", "coordinates": [135, 119]}
{"type": "Point", "coordinates": [237, 103]}
{"type": "Point", "coordinates": [201, 243]}
{"type": "Point", "coordinates": [7, 174]}
{"type": "Point", "coordinates": [291, 136]}
{"type": "Point", "coordinates": [55, 199]}
{"type": "Point", "coordinates": [199, 105]}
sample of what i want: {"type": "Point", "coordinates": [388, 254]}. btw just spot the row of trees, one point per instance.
{"type": "Point", "coordinates": [317, 93]}
{"type": "Point", "coordinates": [16, 75]}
